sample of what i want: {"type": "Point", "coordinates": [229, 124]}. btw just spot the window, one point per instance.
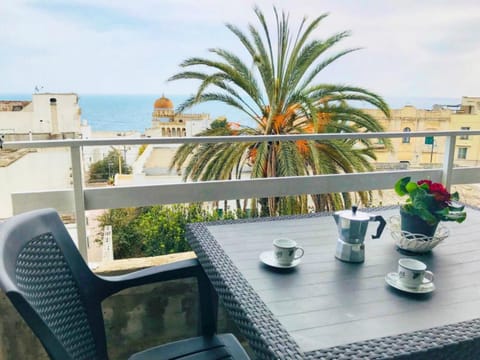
{"type": "Point", "coordinates": [462, 153]}
{"type": "Point", "coordinates": [464, 137]}
{"type": "Point", "coordinates": [406, 139]}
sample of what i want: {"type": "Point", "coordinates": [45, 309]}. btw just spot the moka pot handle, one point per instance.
{"type": "Point", "coordinates": [381, 226]}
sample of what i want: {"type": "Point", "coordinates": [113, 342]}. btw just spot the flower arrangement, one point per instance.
{"type": "Point", "coordinates": [430, 201]}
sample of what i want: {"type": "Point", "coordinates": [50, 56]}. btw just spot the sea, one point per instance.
{"type": "Point", "coordinates": [134, 112]}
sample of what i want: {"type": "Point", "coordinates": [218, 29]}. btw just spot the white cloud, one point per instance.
{"type": "Point", "coordinates": [427, 48]}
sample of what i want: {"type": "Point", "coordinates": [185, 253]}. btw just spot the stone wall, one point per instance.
{"type": "Point", "coordinates": [135, 319]}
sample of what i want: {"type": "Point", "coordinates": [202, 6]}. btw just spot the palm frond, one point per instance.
{"type": "Point", "coordinates": [322, 65]}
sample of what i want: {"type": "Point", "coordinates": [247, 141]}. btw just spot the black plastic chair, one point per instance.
{"type": "Point", "coordinates": [51, 286]}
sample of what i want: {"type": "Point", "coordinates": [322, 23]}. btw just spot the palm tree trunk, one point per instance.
{"type": "Point", "coordinates": [271, 164]}
{"type": "Point", "coordinates": [319, 202]}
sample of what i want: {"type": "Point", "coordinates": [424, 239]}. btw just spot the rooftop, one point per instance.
{"type": "Point", "coordinates": [13, 105]}
{"type": "Point", "coordinates": [9, 156]}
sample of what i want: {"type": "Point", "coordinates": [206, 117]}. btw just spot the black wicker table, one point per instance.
{"type": "Point", "coordinates": [328, 309]}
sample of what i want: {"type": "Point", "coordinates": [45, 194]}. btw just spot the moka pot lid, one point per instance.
{"type": "Point", "coordinates": [353, 214]}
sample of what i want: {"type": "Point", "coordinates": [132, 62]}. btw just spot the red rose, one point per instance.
{"type": "Point", "coordinates": [439, 192]}
{"type": "Point", "coordinates": [437, 187]}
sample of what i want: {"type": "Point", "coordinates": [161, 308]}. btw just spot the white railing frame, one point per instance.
{"type": "Point", "coordinates": [79, 199]}
{"type": "Point", "coordinates": [129, 196]}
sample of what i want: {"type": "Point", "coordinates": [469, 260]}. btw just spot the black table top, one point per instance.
{"type": "Point", "coordinates": [325, 307]}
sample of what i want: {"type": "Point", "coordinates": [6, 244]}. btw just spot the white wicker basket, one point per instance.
{"type": "Point", "coordinates": [417, 243]}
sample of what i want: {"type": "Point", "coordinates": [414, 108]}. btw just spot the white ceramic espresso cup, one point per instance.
{"type": "Point", "coordinates": [413, 273]}
{"type": "Point", "coordinates": [286, 250]}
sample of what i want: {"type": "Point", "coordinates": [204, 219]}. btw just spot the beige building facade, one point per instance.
{"type": "Point", "coordinates": [467, 152]}
{"type": "Point", "coordinates": [429, 151]}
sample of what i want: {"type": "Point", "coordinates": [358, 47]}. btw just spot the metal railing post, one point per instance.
{"type": "Point", "coordinates": [79, 200]}
{"type": "Point", "coordinates": [448, 161]}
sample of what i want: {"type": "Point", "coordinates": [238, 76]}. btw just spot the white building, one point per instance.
{"type": "Point", "coordinates": [58, 116]}
{"type": "Point", "coordinates": [29, 171]}
{"type": "Point", "coordinates": [47, 116]}
{"type": "Point", "coordinates": [92, 154]}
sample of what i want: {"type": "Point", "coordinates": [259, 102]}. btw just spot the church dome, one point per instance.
{"type": "Point", "coordinates": [163, 103]}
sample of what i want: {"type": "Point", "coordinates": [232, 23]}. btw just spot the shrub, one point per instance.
{"type": "Point", "coordinates": [155, 230]}
{"type": "Point", "coordinates": [107, 167]}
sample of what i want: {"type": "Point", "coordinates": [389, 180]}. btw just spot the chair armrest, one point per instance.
{"type": "Point", "coordinates": [176, 270]}
{"type": "Point", "coordinates": [208, 299]}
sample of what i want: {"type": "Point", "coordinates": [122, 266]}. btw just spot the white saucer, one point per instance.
{"type": "Point", "coordinates": [392, 280]}
{"type": "Point", "coordinates": [269, 259]}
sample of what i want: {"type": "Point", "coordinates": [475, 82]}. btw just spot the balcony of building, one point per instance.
{"type": "Point", "coordinates": [155, 314]}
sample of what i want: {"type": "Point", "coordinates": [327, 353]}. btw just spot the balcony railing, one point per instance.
{"type": "Point", "coordinates": [82, 198]}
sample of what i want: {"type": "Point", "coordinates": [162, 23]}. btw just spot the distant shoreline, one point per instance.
{"type": "Point", "coordinates": [119, 112]}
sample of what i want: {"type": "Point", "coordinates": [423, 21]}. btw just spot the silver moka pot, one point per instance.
{"type": "Point", "coordinates": [352, 227]}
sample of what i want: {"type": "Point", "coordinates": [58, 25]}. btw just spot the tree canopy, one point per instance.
{"type": "Point", "coordinates": [279, 88]}
{"type": "Point", "coordinates": [106, 168]}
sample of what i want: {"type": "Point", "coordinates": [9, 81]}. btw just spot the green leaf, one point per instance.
{"type": "Point", "coordinates": [411, 187]}
{"type": "Point", "coordinates": [400, 186]}
{"type": "Point", "coordinates": [455, 196]}
{"type": "Point", "coordinates": [424, 186]}
{"type": "Point", "coordinates": [456, 207]}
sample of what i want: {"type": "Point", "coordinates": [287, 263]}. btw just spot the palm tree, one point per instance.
{"type": "Point", "coordinates": [278, 90]}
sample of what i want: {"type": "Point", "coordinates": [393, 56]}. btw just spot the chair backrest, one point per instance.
{"type": "Point", "coordinates": [51, 286]}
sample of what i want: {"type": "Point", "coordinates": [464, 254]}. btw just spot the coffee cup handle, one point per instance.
{"type": "Point", "coordinates": [428, 276]}
{"type": "Point", "coordinates": [298, 256]}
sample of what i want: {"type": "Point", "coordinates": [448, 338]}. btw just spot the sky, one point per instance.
{"type": "Point", "coordinates": [413, 48]}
